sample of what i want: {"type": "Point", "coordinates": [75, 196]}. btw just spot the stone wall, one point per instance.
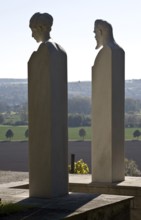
{"type": "Point", "coordinates": [130, 187]}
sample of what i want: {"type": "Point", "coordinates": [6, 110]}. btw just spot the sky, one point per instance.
{"type": "Point", "coordinates": [73, 29]}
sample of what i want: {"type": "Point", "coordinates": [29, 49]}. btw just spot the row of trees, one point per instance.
{"type": "Point", "coordinates": [82, 133]}
{"type": "Point", "coordinates": [82, 105]}
{"type": "Point", "coordinates": [76, 104]}
{"type": "Point", "coordinates": [79, 105]}
{"type": "Point", "coordinates": [79, 111]}
{"type": "Point", "coordinates": [77, 120]}
{"type": "Point", "coordinates": [132, 105]}
{"type": "Point", "coordinates": [132, 120]}
{"type": "Point", "coordinates": [74, 120]}
{"type": "Point", "coordinates": [137, 133]}
{"type": "Point", "coordinates": [10, 134]}
{"type": "Point", "coordinates": [16, 116]}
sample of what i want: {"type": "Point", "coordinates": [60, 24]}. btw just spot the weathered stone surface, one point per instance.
{"type": "Point", "coordinates": [47, 98]}
{"type": "Point", "coordinates": [108, 110]}
{"type": "Point", "coordinates": [72, 206]}
{"type": "Point", "coordinates": [131, 186]}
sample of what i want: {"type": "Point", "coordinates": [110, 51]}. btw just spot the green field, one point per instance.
{"type": "Point", "coordinates": [129, 133]}
{"type": "Point", "coordinates": [74, 133]}
{"type": "Point", "coordinates": [19, 133]}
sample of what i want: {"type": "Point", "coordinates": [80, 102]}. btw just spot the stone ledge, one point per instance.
{"type": "Point", "coordinates": [80, 206]}
{"type": "Point", "coordinates": [130, 187]}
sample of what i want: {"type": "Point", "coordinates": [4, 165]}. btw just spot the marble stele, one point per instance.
{"type": "Point", "coordinates": [107, 107]}
{"type": "Point", "coordinates": [47, 95]}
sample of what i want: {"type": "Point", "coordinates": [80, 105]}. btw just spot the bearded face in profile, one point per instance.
{"type": "Point", "coordinates": [103, 33]}
{"type": "Point", "coordinates": [98, 37]}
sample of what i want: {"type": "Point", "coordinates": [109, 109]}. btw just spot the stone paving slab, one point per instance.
{"type": "Point", "coordinates": [131, 186]}
{"type": "Point", "coordinates": [87, 179]}
{"type": "Point", "coordinates": [12, 191]}
{"type": "Point", "coordinates": [75, 204]}
{"type": "Point", "coordinates": [69, 206]}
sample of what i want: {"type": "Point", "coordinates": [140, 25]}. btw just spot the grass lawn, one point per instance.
{"type": "Point", "coordinates": [16, 211]}
{"type": "Point", "coordinates": [19, 133]}
{"type": "Point", "coordinates": [74, 133]}
{"type": "Point", "coordinates": [129, 133]}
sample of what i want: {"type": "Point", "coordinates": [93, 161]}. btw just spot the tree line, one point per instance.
{"type": "Point", "coordinates": [9, 134]}
{"type": "Point", "coordinates": [79, 113]}
{"type": "Point", "coordinates": [79, 110]}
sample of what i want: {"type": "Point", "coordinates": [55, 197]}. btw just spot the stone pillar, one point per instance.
{"type": "Point", "coordinates": [47, 96]}
{"type": "Point", "coordinates": [108, 115]}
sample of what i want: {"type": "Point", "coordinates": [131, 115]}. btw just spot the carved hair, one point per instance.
{"type": "Point", "coordinates": [104, 26]}
{"type": "Point", "coordinates": [41, 19]}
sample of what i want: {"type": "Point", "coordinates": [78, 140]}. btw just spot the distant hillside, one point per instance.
{"type": "Point", "coordinates": [132, 89]}
{"type": "Point", "coordinates": [79, 89]}
{"type": "Point", "coordinates": [14, 91]}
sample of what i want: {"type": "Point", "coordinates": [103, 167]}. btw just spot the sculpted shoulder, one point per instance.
{"type": "Point", "coordinates": [111, 46]}
{"type": "Point", "coordinates": [53, 46]}
{"type": "Point", "coordinates": [108, 50]}
{"type": "Point", "coordinates": [41, 53]}
{"type": "Point", "coordinates": [42, 48]}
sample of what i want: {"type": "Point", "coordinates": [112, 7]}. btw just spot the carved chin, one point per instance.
{"type": "Point", "coordinates": [98, 45]}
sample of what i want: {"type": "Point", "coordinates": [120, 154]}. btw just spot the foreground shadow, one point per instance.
{"type": "Point", "coordinates": [59, 207]}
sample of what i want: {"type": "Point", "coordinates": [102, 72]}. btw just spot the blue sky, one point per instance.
{"type": "Point", "coordinates": [73, 30]}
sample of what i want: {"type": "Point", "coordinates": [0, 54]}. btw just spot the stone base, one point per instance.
{"type": "Point", "coordinates": [73, 206]}
{"type": "Point", "coordinates": [82, 206]}
{"type": "Point", "coordinates": [130, 187]}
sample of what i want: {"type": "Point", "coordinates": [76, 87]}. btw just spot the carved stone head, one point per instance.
{"type": "Point", "coordinates": [40, 24]}
{"type": "Point", "coordinates": [103, 33]}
